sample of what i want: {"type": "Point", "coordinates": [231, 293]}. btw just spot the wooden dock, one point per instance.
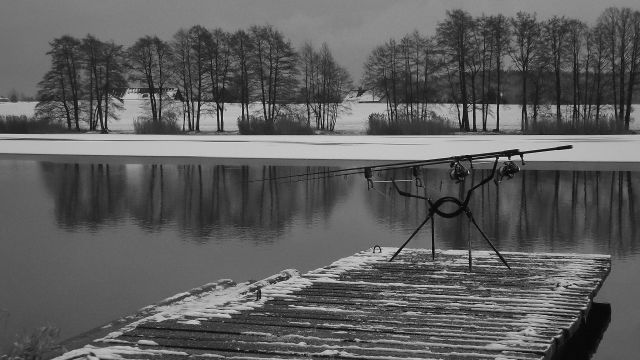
{"type": "Point", "coordinates": [364, 307]}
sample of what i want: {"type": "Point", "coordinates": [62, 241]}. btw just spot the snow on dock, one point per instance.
{"type": "Point", "coordinates": [363, 306]}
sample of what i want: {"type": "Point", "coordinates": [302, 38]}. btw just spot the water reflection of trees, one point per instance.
{"type": "Point", "coordinates": [578, 210]}
{"type": "Point", "coordinates": [85, 195]}
{"type": "Point", "coordinates": [536, 210]}
{"type": "Point", "coordinates": [201, 200]}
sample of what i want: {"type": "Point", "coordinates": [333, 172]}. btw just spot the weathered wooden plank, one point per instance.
{"type": "Point", "coordinates": [366, 307]}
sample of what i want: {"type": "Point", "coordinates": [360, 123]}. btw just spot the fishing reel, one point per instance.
{"type": "Point", "coordinates": [415, 172]}
{"type": "Point", "coordinates": [458, 171]}
{"type": "Point", "coordinates": [508, 170]}
{"type": "Point", "coordinates": [368, 175]}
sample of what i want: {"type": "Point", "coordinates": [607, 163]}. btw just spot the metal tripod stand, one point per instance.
{"type": "Point", "coordinates": [462, 207]}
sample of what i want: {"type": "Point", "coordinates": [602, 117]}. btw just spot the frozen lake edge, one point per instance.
{"type": "Point", "coordinates": [599, 152]}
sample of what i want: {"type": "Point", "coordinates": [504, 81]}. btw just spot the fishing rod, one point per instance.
{"type": "Point", "coordinates": [410, 164]}
{"type": "Point", "coordinates": [436, 207]}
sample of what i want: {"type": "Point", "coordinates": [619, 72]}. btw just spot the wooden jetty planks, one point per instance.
{"type": "Point", "coordinates": [363, 306]}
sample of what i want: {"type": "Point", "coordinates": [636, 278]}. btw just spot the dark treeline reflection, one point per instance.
{"type": "Point", "coordinates": [86, 194]}
{"type": "Point", "coordinates": [576, 210]}
{"type": "Point", "coordinates": [537, 210]}
{"type": "Point", "coordinates": [198, 199]}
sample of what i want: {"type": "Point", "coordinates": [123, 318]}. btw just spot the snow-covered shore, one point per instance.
{"type": "Point", "coordinates": [352, 121]}
{"type": "Point", "coordinates": [616, 152]}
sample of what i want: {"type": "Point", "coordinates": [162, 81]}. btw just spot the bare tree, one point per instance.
{"type": "Point", "coordinates": [53, 97]}
{"type": "Point", "coordinates": [149, 59]}
{"type": "Point", "coordinates": [308, 60]}
{"type": "Point", "coordinates": [454, 36]}
{"type": "Point", "coordinates": [219, 69]}
{"type": "Point", "coordinates": [526, 31]}
{"type": "Point", "coordinates": [182, 66]}
{"type": "Point", "coordinates": [325, 85]}
{"type": "Point", "coordinates": [575, 40]}
{"type": "Point", "coordinates": [475, 65]}
{"type": "Point", "coordinates": [634, 63]}
{"type": "Point", "coordinates": [381, 76]}
{"type": "Point", "coordinates": [500, 34]}
{"type": "Point", "coordinates": [65, 55]}
{"type": "Point", "coordinates": [623, 31]}
{"type": "Point", "coordinates": [200, 38]}
{"type": "Point", "coordinates": [114, 78]}
{"type": "Point", "coordinates": [105, 70]}
{"type": "Point", "coordinates": [427, 64]}
{"type": "Point", "coordinates": [598, 34]}
{"type": "Point", "coordinates": [91, 50]}
{"type": "Point", "coordinates": [484, 40]}
{"type": "Point", "coordinates": [274, 63]}
{"type": "Point", "coordinates": [242, 50]}
{"type": "Point", "coordinates": [419, 63]}
{"type": "Point", "coordinates": [540, 66]}
{"type": "Point", "coordinates": [607, 22]}
{"type": "Point", "coordinates": [555, 33]}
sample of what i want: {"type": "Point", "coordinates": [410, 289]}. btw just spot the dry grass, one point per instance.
{"type": "Point", "coordinates": [606, 125]}
{"type": "Point", "coordinates": [284, 125]}
{"type": "Point", "coordinates": [35, 346]}
{"type": "Point", "coordinates": [431, 124]}
{"type": "Point", "coordinates": [168, 126]}
{"type": "Point", "coordinates": [22, 124]}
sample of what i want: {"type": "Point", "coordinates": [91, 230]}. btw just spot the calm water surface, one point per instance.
{"type": "Point", "coordinates": [84, 244]}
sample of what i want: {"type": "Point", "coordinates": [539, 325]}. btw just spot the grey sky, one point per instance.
{"type": "Point", "coordinates": [350, 27]}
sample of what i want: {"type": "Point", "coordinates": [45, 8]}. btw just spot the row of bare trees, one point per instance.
{"type": "Point", "coordinates": [260, 64]}
{"type": "Point", "coordinates": [402, 73]}
{"type": "Point", "coordinates": [581, 69]}
{"type": "Point", "coordinates": [325, 84]}
{"type": "Point", "coordinates": [257, 65]}
{"type": "Point", "coordinates": [208, 67]}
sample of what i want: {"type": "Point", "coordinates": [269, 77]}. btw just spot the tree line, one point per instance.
{"type": "Point", "coordinates": [208, 67]}
{"type": "Point", "coordinates": [588, 72]}
{"type": "Point", "coordinates": [581, 69]}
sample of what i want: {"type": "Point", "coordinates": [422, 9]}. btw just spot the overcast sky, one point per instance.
{"type": "Point", "coordinates": [350, 27]}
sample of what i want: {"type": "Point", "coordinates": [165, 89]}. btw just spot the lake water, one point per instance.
{"type": "Point", "coordinates": [83, 244]}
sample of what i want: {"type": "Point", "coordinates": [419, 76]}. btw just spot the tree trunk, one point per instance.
{"type": "Point", "coordinates": [558, 90]}
{"type": "Point", "coordinates": [632, 77]}
{"type": "Point", "coordinates": [473, 100]}
{"type": "Point", "coordinates": [463, 88]}
{"type": "Point", "coordinates": [525, 121]}
{"type": "Point", "coordinates": [622, 75]}
{"type": "Point", "coordinates": [499, 93]}
{"type": "Point", "coordinates": [64, 101]}
{"type": "Point", "coordinates": [91, 123]}
{"type": "Point", "coordinates": [107, 89]}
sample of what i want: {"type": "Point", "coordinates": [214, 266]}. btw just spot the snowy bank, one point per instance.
{"type": "Point", "coordinates": [352, 121]}
{"type": "Point", "coordinates": [603, 152]}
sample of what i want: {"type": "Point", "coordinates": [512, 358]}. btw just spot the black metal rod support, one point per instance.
{"type": "Point", "coordinates": [411, 237]}
{"type": "Point", "coordinates": [462, 207]}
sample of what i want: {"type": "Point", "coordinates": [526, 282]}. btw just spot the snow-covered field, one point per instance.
{"type": "Point", "coordinates": [353, 121]}
{"type": "Point", "coordinates": [589, 151]}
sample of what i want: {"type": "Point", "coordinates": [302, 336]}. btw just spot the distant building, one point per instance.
{"type": "Point", "coordinates": [143, 93]}
{"type": "Point", "coordinates": [3, 99]}
{"type": "Point", "coordinates": [363, 96]}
